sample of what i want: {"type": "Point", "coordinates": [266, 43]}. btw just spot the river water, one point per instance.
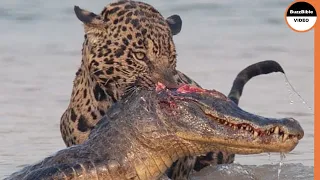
{"type": "Point", "coordinates": [40, 52]}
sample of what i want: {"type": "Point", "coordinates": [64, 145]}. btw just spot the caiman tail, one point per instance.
{"type": "Point", "coordinates": [263, 67]}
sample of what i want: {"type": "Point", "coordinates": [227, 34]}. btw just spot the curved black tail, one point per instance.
{"type": "Point", "coordinates": [263, 67]}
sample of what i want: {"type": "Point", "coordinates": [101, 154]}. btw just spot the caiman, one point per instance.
{"type": "Point", "coordinates": [253, 70]}
{"type": "Point", "coordinates": [141, 136]}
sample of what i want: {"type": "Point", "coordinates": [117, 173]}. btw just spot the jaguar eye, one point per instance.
{"type": "Point", "coordinates": [139, 55]}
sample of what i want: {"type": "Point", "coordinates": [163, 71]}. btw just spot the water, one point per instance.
{"type": "Point", "coordinates": [291, 88]}
{"type": "Point", "coordinates": [40, 52]}
{"type": "Point", "coordinates": [282, 158]}
{"type": "Point", "coordinates": [253, 172]}
{"type": "Point", "coordinates": [289, 91]}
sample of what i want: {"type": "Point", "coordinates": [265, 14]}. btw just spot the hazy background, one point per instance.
{"type": "Point", "coordinates": [40, 51]}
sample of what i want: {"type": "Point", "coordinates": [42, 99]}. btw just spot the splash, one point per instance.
{"type": "Point", "coordinates": [269, 157]}
{"type": "Point", "coordinates": [291, 90]}
{"type": "Point", "coordinates": [282, 158]}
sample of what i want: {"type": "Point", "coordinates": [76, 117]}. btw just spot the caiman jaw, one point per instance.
{"type": "Point", "coordinates": [236, 129]}
{"type": "Point", "coordinates": [277, 131]}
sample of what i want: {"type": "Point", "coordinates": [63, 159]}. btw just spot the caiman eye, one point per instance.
{"type": "Point", "coordinates": [139, 55]}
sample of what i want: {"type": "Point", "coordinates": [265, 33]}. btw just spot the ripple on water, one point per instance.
{"type": "Point", "coordinates": [262, 172]}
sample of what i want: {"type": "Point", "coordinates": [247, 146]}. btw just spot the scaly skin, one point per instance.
{"type": "Point", "coordinates": [143, 135]}
{"type": "Point", "coordinates": [128, 44]}
{"type": "Point", "coordinates": [253, 70]}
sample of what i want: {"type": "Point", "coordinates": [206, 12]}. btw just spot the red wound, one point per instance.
{"type": "Point", "coordinates": [187, 89]}
{"type": "Point", "coordinates": [160, 86]}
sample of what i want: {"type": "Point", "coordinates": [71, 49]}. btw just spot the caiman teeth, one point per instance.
{"type": "Point", "coordinates": [249, 130]}
{"type": "Point", "coordinates": [285, 137]}
{"type": "Point", "coordinates": [276, 130]}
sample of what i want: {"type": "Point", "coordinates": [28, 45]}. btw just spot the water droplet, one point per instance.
{"type": "Point", "coordinates": [291, 90]}
{"type": "Point", "coordinates": [282, 158]}
{"type": "Point", "coordinates": [269, 157]}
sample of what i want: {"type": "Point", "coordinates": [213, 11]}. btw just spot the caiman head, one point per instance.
{"type": "Point", "coordinates": [207, 120]}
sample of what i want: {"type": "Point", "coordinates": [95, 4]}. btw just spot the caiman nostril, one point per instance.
{"type": "Point", "coordinates": [300, 136]}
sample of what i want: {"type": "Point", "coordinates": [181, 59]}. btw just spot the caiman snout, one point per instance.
{"type": "Point", "coordinates": [226, 123]}
{"type": "Point", "coordinates": [289, 127]}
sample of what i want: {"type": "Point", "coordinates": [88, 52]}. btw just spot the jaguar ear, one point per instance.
{"type": "Point", "coordinates": [87, 17]}
{"type": "Point", "coordinates": [92, 23]}
{"type": "Point", "coordinates": [175, 24]}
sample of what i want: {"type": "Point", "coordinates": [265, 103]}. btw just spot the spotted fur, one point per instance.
{"type": "Point", "coordinates": [128, 45]}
